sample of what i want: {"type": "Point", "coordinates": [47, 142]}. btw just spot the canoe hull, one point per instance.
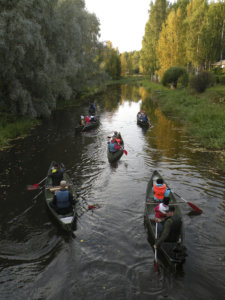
{"type": "Point", "coordinates": [67, 221]}
{"type": "Point", "coordinates": [87, 127]}
{"type": "Point", "coordinates": [113, 157]}
{"type": "Point", "coordinates": [169, 251]}
{"type": "Point", "coordinates": [141, 123]}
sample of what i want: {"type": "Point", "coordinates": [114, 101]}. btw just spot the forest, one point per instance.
{"type": "Point", "coordinates": [50, 49]}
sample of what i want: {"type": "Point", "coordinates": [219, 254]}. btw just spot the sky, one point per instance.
{"type": "Point", "coordinates": [121, 21]}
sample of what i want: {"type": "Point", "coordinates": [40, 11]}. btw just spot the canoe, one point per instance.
{"type": "Point", "coordinates": [140, 122]}
{"type": "Point", "coordinates": [115, 156]}
{"type": "Point", "coordinates": [66, 221]}
{"type": "Point", "coordinates": [86, 127]}
{"type": "Point", "coordinates": [170, 252]}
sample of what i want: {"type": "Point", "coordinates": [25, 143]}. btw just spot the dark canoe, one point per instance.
{"type": "Point", "coordinates": [171, 252]}
{"type": "Point", "coordinates": [115, 156]}
{"type": "Point", "coordinates": [140, 122]}
{"type": "Point", "coordinates": [86, 127]}
{"type": "Point", "coordinates": [66, 221]}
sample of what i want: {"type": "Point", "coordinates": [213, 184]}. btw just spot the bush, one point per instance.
{"type": "Point", "coordinates": [173, 74]}
{"type": "Point", "coordinates": [201, 81]}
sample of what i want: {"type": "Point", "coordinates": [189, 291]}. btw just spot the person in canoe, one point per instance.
{"type": "Point", "coordinates": [92, 118]}
{"type": "Point", "coordinates": [161, 211]}
{"type": "Point", "coordinates": [171, 229]}
{"type": "Point", "coordinates": [82, 121]}
{"type": "Point", "coordinates": [92, 107]}
{"type": "Point", "coordinates": [160, 190]}
{"type": "Point", "coordinates": [87, 119]}
{"type": "Point", "coordinates": [117, 136]}
{"type": "Point", "coordinates": [143, 116]}
{"type": "Point", "coordinates": [113, 145]}
{"type": "Point", "coordinates": [56, 174]}
{"type": "Point", "coordinates": [63, 200]}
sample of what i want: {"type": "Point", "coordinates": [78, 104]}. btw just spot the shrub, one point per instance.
{"type": "Point", "coordinates": [201, 81]}
{"type": "Point", "coordinates": [173, 74]}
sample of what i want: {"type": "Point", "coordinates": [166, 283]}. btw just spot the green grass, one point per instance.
{"type": "Point", "coordinates": [11, 128]}
{"type": "Point", "coordinates": [204, 114]}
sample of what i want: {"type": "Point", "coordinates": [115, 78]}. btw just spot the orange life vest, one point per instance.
{"type": "Point", "coordinates": [159, 191]}
{"type": "Point", "coordinates": [118, 141]}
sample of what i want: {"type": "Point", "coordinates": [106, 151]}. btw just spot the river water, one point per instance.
{"type": "Point", "coordinates": [109, 257]}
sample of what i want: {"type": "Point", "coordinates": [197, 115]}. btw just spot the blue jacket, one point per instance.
{"type": "Point", "coordinates": [112, 147]}
{"type": "Point", "coordinates": [62, 199]}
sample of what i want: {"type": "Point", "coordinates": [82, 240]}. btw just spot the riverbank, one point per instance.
{"type": "Point", "coordinates": [11, 128]}
{"type": "Point", "coordinates": [203, 114]}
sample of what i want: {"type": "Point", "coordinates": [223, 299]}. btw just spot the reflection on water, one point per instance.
{"type": "Point", "coordinates": [109, 257]}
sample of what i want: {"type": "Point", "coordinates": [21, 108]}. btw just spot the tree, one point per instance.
{"type": "Point", "coordinates": [48, 51]}
{"type": "Point", "coordinates": [196, 11]}
{"type": "Point", "coordinates": [173, 74]}
{"type": "Point", "coordinates": [157, 16]}
{"type": "Point", "coordinates": [171, 50]}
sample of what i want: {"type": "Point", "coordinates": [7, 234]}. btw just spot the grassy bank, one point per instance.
{"type": "Point", "coordinates": [11, 128]}
{"type": "Point", "coordinates": [204, 114]}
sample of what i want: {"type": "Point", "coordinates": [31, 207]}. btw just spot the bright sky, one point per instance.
{"type": "Point", "coordinates": [121, 21]}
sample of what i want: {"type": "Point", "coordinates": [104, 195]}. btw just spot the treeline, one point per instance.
{"type": "Point", "coordinates": [49, 50]}
{"type": "Point", "coordinates": [189, 34]}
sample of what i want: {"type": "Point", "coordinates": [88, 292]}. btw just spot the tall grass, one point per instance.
{"type": "Point", "coordinates": [11, 129]}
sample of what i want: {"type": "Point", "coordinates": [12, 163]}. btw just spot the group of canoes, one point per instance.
{"type": "Point", "coordinates": [171, 252]}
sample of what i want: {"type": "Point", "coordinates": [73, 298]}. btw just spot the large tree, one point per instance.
{"type": "Point", "coordinates": [47, 52]}
{"type": "Point", "coordinates": [157, 15]}
{"type": "Point", "coordinates": [171, 50]}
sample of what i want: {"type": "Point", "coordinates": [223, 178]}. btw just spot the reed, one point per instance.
{"type": "Point", "coordinates": [11, 129]}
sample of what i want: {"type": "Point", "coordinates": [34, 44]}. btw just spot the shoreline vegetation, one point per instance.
{"type": "Point", "coordinates": [203, 114]}
{"type": "Point", "coordinates": [13, 128]}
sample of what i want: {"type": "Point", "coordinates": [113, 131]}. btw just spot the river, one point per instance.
{"type": "Point", "coordinates": [109, 256]}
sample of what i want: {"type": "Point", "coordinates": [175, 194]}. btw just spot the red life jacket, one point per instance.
{"type": "Point", "coordinates": [159, 191]}
{"type": "Point", "coordinates": [160, 211]}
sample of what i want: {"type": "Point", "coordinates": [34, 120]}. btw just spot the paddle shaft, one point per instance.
{"type": "Point", "coordinates": [192, 205]}
{"type": "Point", "coordinates": [156, 260]}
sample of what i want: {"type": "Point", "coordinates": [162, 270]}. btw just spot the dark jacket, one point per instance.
{"type": "Point", "coordinates": [57, 177]}
{"type": "Point", "coordinates": [171, 230]}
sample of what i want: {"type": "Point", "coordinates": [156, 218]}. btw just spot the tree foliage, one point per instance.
{"type": "Point", "coordinates": [173, 74]}
{"type": "Point", "coordinates": [48, 51]}
{"type": "Point", "coordinates": [201, 81]}
{"type": "Point", "coordinates": [149, 57]}
{"type": "Point", "coordinates": [191, 35]}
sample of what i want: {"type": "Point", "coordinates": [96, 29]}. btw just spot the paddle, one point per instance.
{"type": "Point", "coordinates": [192, 205]}
{"type": "Point", "coordinates": [156, 260]}
{"type": "Point", "coordinates": [35, 186]}
{"type": "Point", "coordinates": [124, 151]}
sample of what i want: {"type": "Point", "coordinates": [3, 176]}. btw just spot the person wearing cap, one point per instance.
{"type": "Point", "coordinates": [56, 174]}
{"type": "Point", "coordinates": [63, 200]}
{"type": "Point", "coordinates": [161, 211]}
{"type": "Point", "coordinates": [160, 190]}
{"type": "Point", "coordinates": [171, 229]}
